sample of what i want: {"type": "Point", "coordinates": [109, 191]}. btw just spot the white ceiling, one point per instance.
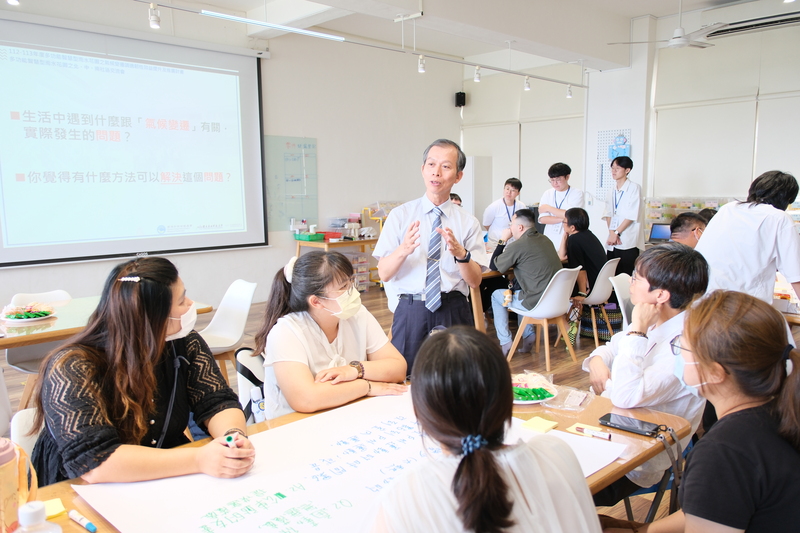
{"type": "Point", "coordinates": [625, 8]}
{"type": "Point", "coordinates": [546, 30]}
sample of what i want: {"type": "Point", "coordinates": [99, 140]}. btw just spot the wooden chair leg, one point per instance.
{"type": "Point", "coordinates": [559, 337]}
{"type": "Point", "coordinates": [518, 336]}
{"type": "Point", "coordinates": [562, 325]}
{"type": "Point", "coordinates": [538, 336]}
{"type": "Point", "coordinates": [605, 317]}
{"type": "Point", "coordinates": [221, 358]}
{"type": "Point", "coordinates": [546, 327]}
{"type": "Point", "coordinates": [594, 328]}
{"type": "Point", "coordinates": [27, 391]}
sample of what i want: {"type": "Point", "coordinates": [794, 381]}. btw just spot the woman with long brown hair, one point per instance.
{"type": "Point", "coordinates": [117, 395]}
{"type": "Point", "coordinates": [742, 475]}
{"type": "Point", "coordinates": [461, 390]}
{"type": "Point", "coordinates": [321, 347]}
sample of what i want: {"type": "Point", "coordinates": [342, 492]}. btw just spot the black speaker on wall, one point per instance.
{"type": "Point", "coordinates": [461, 99]}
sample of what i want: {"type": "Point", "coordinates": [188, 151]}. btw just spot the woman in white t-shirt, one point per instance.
{"type": "Point", "coordinates": [321, 347]}
{"type": "Point", "coordinates": [462, 399]}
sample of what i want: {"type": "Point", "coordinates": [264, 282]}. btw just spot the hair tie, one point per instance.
{"type": "Point", "coordinates": [470, 443]}
{"type": "Point", "coordinates": [129, 278]}
{"type": "Point", "coordinates": [287, 270]}
{"type": "Point", "coordinates": [787, 359]}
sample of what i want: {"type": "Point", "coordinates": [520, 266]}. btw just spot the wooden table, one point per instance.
{"type": "Point", "coordinates": [639, 449]}
{"type": "Point", "coordinates": [792, 318]}
{"type": "Point", "coordinates": [325, 245]}
{"type": "Point", "coordinates": [69, 320]}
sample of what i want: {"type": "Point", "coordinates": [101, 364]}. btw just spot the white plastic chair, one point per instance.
{"type": "Point", "coordinates": [249, 374]}
{"type": "Point", "coordinates": [600, 294]}
{"type": "Point", "coordinates": [622, 288]}
{"type": "Point", "coordinates": [552, 306]}
{"type": "Point", "coordinates": [27, 359]}
{"type": "Point", "coordinates": [21, 424]}
{"type": "Point", "coordinates": [55, 298]}
{"type": "Point", "coordinates": [224, 333]}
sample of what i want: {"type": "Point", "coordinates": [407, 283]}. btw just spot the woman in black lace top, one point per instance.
{"type": "Point", "coordinates": [115, 400]}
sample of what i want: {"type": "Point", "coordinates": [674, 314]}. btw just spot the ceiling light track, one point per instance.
{"type": "Point", "coordinates": [340, 39]}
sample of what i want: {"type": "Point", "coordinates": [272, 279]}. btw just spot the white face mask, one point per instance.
{"type": "Point", "coordinates": [679, 369]}
{"type": "Point", "coordinates": [349, 303]}
{"type": "Point", "coordinates": [187, 323]}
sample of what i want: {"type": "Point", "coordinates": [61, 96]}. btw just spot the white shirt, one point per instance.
{"type": "Point", "coordinates": [626, 204]}
{"type": "Point", "coordinates": [498, 215]}
{"type": "Point", "coordinates": [544, 481]}
{"type": "Point", "coordinates": [410, 277]}
{"type": "Point", "coordinates": [296, 337]}
{"type": "Point", "coordinates": [568, 199]}
{"type": "Point", "coordinates": [745, 244]}
{"type": "Point", "coordinates": [643, 375]}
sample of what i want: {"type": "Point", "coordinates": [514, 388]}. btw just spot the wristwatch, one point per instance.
{"type": "Point", "coordinates": [465, 260]}
{"type": "Point", "coordinates": [501, 242]}
{"type": "Point", "coordinates": [615, 231]}
{"type": "Point", "coordinates": [358, 366]}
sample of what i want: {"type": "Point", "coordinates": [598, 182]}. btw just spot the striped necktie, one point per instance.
{"type": "Point", "coordinates": [433, 278]}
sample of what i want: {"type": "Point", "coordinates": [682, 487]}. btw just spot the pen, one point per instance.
{"type": "Point", "coordinates": [230, 440]}
{"type": "Point", "coordinates": [599, 434]}
{"type": "Point", "coordinates": [82, 520]}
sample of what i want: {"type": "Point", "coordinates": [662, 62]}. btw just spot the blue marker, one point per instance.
{"type": "Point", "coordinates": [82, 520]}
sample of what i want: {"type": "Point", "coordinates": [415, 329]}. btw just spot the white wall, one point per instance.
{"type": "Point", "coordinates": [371, 111]}
{"type": "Point", "coordinates": [525, 131]}
{"type": "Point", "coordinates": [373, 116]}
{"type": "Point", "coordinates": [728, 113]}
{"type": "Point", "coordinates": [619, 100]}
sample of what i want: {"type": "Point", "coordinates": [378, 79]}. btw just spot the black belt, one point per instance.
{"type": "Point", "coordinates": [421, 297]}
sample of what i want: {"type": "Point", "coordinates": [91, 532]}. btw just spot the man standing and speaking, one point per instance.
{"type": "Point", "coordinates": [430, 253]}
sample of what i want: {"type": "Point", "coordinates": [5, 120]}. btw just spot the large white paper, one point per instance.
{"type": "Point", "coordinates": [320, 474]}
{"type": "Point", "coordinates": [593, 454]}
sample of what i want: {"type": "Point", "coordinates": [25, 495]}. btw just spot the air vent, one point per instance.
{"type": "Point", "coordinates": [757, 24]}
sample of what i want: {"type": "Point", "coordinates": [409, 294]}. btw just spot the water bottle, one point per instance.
{"type": "Point", "coordinates": [257, 404]}
{"type": "Point", "coordinates": [33, 519]}
{"type": "Point", "coordinates": [14, 488]}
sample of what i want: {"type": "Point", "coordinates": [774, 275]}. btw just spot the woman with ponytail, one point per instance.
{"type": "Point", "coordinates": [321, 347]}
{"type": "Point", "coordinates": [744, 474]}
{"type": "Point", "coordinates": [462, 398]}
{"type": "Point", "coordinates": [116, 396]}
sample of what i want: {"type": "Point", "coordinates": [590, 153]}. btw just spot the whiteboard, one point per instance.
{"type": "Point", "coordinates": [292, 181]}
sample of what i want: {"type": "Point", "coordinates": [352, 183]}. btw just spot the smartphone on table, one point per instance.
{"type": "Point", "coordinates": [625, 423]}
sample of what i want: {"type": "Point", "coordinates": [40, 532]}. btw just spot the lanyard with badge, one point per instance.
{"type": "Point", "coordinates": [509, 215]}
{"type": "Point", "coordinates": [555, 197]}
{"type": "Point", "coordinates": [615, 219]}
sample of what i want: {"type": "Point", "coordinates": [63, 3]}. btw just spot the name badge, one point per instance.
{"type": "Point", "coordinates": [616, 220]}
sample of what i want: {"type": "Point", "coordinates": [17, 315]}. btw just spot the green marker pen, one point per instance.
{"type": "Point", "coordinates": [230, 440]}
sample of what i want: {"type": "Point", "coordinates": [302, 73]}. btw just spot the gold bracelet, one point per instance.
{"type": "Point", "coordinates": [637, 334]}
{"type": "Point", "coordinates": [369, 389]}
{"type": "Point", "coordinates": [235, 430]}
